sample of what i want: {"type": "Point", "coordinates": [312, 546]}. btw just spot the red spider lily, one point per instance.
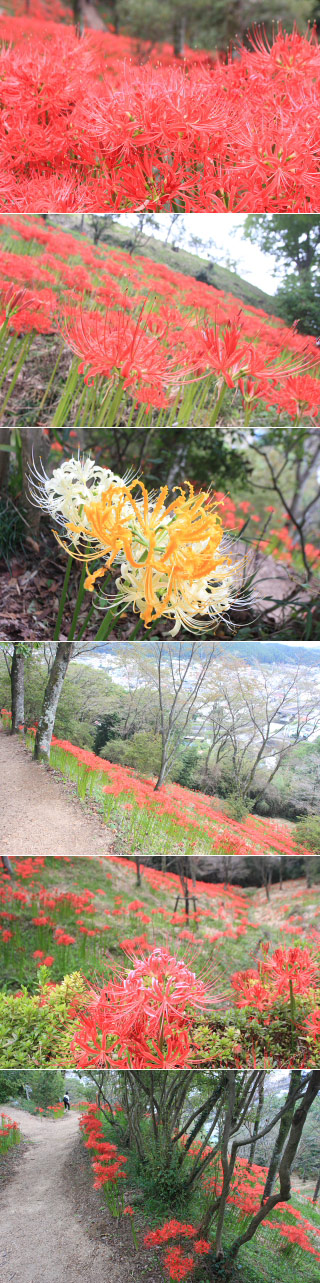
{"type": "Point", "coordinates": [116, 346]}
{"type": "Point", "coordinates": [143, 1018]}
{"type": "Point", "coordinates": [261, 988]}
{"type": "Point", "coordinates": [312, 1024]}
{"type": "Point", "coordinates": [178, 1264]}
{"type": "Point", "coordinates": [62, 938]}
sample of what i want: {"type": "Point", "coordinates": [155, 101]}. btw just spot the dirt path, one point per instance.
{"type": "Point", "coordinates": [42, 1240]}
{"type": "Point", "coordinates": [38, 814]}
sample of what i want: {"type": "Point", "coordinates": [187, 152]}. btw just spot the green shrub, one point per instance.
{"type": "Point", "coordinates": [142, 752]}
{"type": "Point", "coordinates": [307, 833]}
{"type": "Point", "coordinates": [36, 1029]}
{"type": "Point", "coordinates": [236, 807]}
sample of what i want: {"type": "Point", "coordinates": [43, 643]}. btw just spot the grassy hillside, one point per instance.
{"type": "Point", "coordinates": [180, 261]}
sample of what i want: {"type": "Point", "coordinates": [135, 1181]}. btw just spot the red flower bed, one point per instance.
{"type": "Point", "coordinates": [233, 134]}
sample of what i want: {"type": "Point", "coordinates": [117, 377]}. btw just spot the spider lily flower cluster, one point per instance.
{"type": "Point", "coordinates": [142, 1019]}
{"type": "Point", "coordinates": [9, 1133]}
{"type": "Point", "coordinates": [158, 136]}
{"type": "Point", "coordinates": [178, 1263]}
{"type": "Point", "coordinates": [296, 968]}
{"type": "Point", "coordinates": [173, 559]}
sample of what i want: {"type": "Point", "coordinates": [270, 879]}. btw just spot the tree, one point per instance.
{"type": "Point", "coordinates": [179, 676]}
{"type": "Point", "coordinates": [106, 731]}
{"type": "Point", "coordinates": [260, 722]}
{"type": "Point", "coordinates": [6, 865]}
{"type": "Point", "coordinates": [264, 866]}
{"type": "Point", "coordinates": [15, 665]}
{"type": "Point", "coordinates": [290, 240]}
{"type": "Point", "coordinates": [284, 1128]}
{"type": "Point", "coordinates": [17, 687]}
{"type": "Point", "coordinates": [291, 458]}
{"type": "Point", "coordinates": [47, 1087]}
{"type": "Point", "coordinates": [213, 1113]}
{"type": "Point", "coordinates": [295, 244]}
{"type": "Point", "coordinates": [206, 24]}
{"type": "Point", "coordinates": [57, 672]}
{"type": "Point", "coordinates": [11, 1084]}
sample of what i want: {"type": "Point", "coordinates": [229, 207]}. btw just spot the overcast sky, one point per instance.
{"type": "Point", "coordinates": [227, 232]}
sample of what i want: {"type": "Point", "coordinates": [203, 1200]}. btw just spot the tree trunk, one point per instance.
{"type": "Point", "coordinates": [50, 701]}
{"type": "Point", "coordinates": [256, 1124]}
{"type": "Point", "coordinates": [298, 1119]}
{"type": "Point", "coordinates": [309, 871]}
{"type": "Point", "coordinates": [17, 689]}
{"type": "Point", "coordinates": [138, 871]}
{"type": "Point", "coordinates": [179, 35]}
{"type": "Point", "coordinates": [4, 457]}
{"type": "Point", "coordinates": [34, 448]}
{"type": "Point", "coordinates": [283, 1132]}
{"type": "Point", "coordinates": [162, 774]}
{"type": "Point", "coordinates": [6, 864]}
{"type": "Point", "coordinates": [316, 1189]}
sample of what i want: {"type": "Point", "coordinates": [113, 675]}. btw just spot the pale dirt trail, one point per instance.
{"type": "Point", "coordinates": [38, 816]}
{"type": "Point", "coordinates": [42, 1240]}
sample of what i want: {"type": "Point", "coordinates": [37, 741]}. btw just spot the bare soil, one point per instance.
{"type": "Point", "coordinates": [39, 814]}
{"type": "Point", "coordinates": [54, 1226]}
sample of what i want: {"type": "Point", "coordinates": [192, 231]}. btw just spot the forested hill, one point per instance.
{"type": "Point", "coordinates": [252, 651]}
{"type": "Point", "coordinates": [276, 653]}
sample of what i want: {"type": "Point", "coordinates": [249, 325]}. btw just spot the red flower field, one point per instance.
{"type": "Point", "coordinates": [145, 338]}
{"type": "Point", "coordinates": [215, 133]}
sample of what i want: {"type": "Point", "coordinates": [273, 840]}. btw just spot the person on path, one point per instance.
{"type": "Point", "coordinates": [66, 1101]}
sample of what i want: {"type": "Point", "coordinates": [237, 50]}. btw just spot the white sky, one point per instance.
{"type": "Point", "coordinates": [227, 232]}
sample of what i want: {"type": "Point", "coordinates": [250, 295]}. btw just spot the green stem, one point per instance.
{"type": "Point", "coordinates": [23, 354]}
{"type": "Point", "coordinates": [292, 1015]}
{"type": "Point", "coordinates": [51, 380]}
{"type": "Point", "coordinates": [113, 409]}
{"type": "Point", "coordinates": [78, 604]}
{"type": "Point", "coordinates": [3, 333]}
{"type": "Point", "coordinates": [136, 630]}
{"type": "Point", "coordinates": [60, 417]}
{"type": "Point", "coordinates": [218, 405]}
{"type": "Point", "coordinates": [106, 626]}
{"type": "Point", "coordinates": [87, 620]}
{"type": "Point", "coordinates": [63, 599]}
{"type": "Point", "coordinates": [7, 357]}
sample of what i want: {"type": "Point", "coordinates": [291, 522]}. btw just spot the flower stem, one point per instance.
{"type": "Point", "coordinates": [218, 405]}
{"type": "Point", "coordinates": [51, 380]}
{"type": "Point", "coordinates": [112, 409]}
{"type": "Point", "coordinates": [86, 621]}
{"type": "Point", "coordinates": [78, 604]}
{"type": "Point", "coordinates": [106, 626]}
{"type": "Point", "coordinates": [63, 599]}
{"type": "Point", "coordinates": [292, 1015]}
{"type": "Point", "coordinates": [23, 354]}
